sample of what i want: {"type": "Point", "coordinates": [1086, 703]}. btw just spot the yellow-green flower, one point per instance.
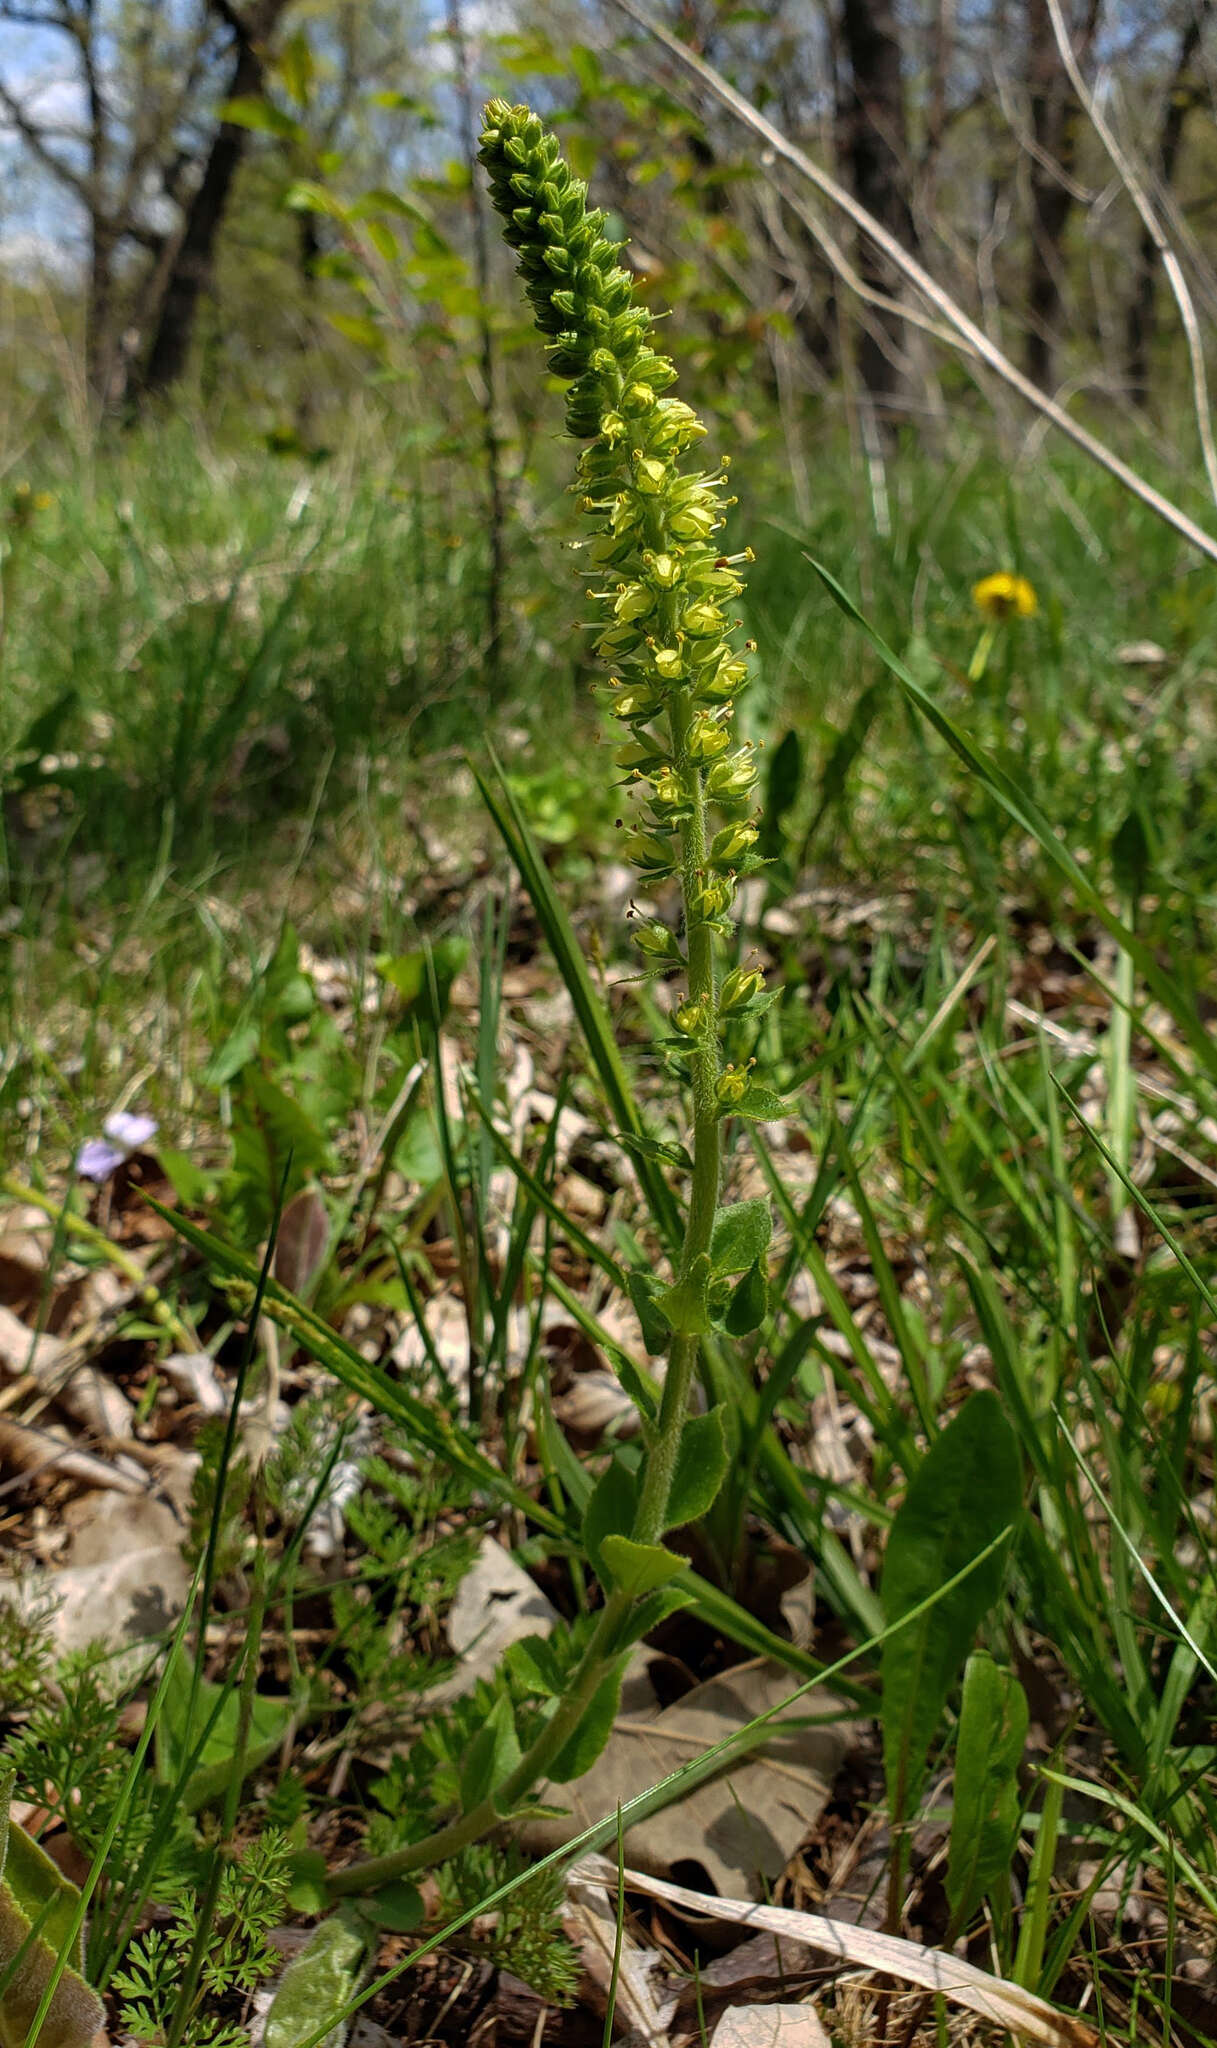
{"type": "Point", "coordinates": [1005, 596]}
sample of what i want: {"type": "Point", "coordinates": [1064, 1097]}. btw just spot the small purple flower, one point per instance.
{"type": "Point", "coordinates": [98, 1158]}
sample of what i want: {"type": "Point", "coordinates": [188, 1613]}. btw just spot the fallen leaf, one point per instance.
{"type": "Point", "coordinates": [496, 1604]}
{"type": "Point", "coordinates": [193, 1374]}
{"type": "Point", "coordinates": [770, 2026]}
{"type": "Point", "coordinates": [60, 1370]}
{"type": "Point", "coordinates": [300, 1247]}
{"type": "Point", "coordinates": [35, 1451]}
{"type": "Point", "coordinates": [591, 1921]}
{"type": "Point", "coordinates": [741, 1827]}
{"type": "Point", "coordinates": [124, 1581]}
{"type": "Point", "coordinates": [993, 1998]}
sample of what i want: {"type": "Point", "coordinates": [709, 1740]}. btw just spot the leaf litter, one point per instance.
{"type": "Point", "coordinates": [67, 1415]}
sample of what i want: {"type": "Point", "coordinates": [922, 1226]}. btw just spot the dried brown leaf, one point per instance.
{"type": "Point", "coordinates": [993, 1998]}
{"type": "Point", "coordinates": [770, 2026]}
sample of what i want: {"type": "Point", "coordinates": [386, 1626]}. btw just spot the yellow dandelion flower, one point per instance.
{"type": "Point", "coordinates": [1003, 596]}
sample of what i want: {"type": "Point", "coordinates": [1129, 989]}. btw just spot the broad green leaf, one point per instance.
{"type": "Point", "coordinates": [296, 68]}
{"type": "Point", "coordinates": [742, 1231]}
{"type": "Point", "coordinates": [307, 197]}
{"type": "Point", "coordinates": [424, 979]}
{"type": "Point", "coordinates": [307, 1892]}
{"type": "Point", "coordinates": [379, 199]}
{"type": "Point", "coordinates": [639, 1568]}
{"type": "Point", "coordinates": [647, 1614]}
{"type": "Point", "coordinates": [581, 1749]}
{"type": "Point", "coordinates": [685, 1305]}
{"type": "Point", "coordinates": [987, 1808]}
{"type": "Point", "coordinates": [236, 1052]}
{"type": "Point", "coordinates": [215, 1765]}
{"type": "Point", "coordinates": [37, 1909]}
{"type": "Point", "coordinates": [644, 1291]}
{"type": "Point", "coordinates": [359, 328]}
{"type": "Point", "coordinates": [261, 117]}
{"type": "Point", "coordinates": [701, 1467]}
{"type": "Point", "coordinates": [317, 1986]}
{"type": "Point", "coordinates": [759, 1105]}
{"type": "Point", "coordinates": [493, 1753]}
{"type": "Point", "coordinates": [609, 1511]}
{"type": "Point", "coordinates": [383, 240]}
{"type": "Point", "coordinates": [534, 1663]}
{"type": "Point", "coordinates": [749, 1302]}
{"type": "Point", "coordinates": [398, 1907]}
{"type": "Point", "coordinates": [965, 1492]}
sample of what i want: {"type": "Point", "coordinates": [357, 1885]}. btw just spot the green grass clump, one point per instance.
{"type": "Point", "coordinates": [978, 886]}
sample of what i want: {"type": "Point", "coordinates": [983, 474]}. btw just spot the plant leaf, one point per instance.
{"type": "Point", "coordinates": [261, 118]}
{"type": "Point", "coordinates": [597, 1030]}
{"type": "Point", "coordinates": [965, 1492]}
{"type": "Point", "coordinates": [685, 1304]}
{"type": "Point", "coordinates": [609, 1511]}
{"type": "Point", "coordinates": [639, 1568]}
{"type": "Point", "coordinates": [644, 1291]}
{"type": "Point", "coordinates": [759, 1105]}
{"type": "Point", "coordinates": [214, 1766]}
{"type": "Point", "coordinates": [748, 1303]}
{"type": "Point", "coordinates": [533, 1662]}
{"type": "Point", "coordinates": [581, 1749]}
{"type": "Point", "coordinates": [701, 1467]}
{"type": "Point", "coordinates": [317, 1986]}
{"type": "Point", "coordinates": [493, 1753]}
{"type": "Point", "coordinates": [987, 1809]}
{"type": "Point", "coordinates": [742, 1231]}
{"type": "Point", "coordinates": [37, 1908]}
{"type": "Point", "coordinates": [648, 1614]}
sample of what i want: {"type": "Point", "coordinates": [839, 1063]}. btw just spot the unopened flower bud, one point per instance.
{"type": "Point", "coordinates": [668, 663]}
{"type": "Point", "coordinates": [650, 475]}
{"type": "Point", "coordinates": [704, 620]}
{"type": "Point", "coordinates": [731, 844]}
{"type": "Point", "coordinates": [633, 601]}
{"type": "Point", "coordinates": [707, 738]}
{"type": "Point", "coordinates": [732, 1086]}
{"type": "Point", "coordinates": [731, 779]}
{"type": "Point", "coordinates": [739, 988]}
{"type": "Point", "coordinates": [635, 701]}
{"type": "Point", "coordinates": [714, 898]}
{"type": "Point", "coordinates": [656, 940]}
{"type": "Point", "coordinates": [696, 520]}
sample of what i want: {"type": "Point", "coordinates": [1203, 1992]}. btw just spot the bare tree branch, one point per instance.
{"type": "Point", "coordinates": [1128, 175]}
{"type": "Point", "coordinates": [962, 326]}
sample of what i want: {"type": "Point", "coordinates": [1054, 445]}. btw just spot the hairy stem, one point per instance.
{"type": "Point", "coordinates": [651, 1518]}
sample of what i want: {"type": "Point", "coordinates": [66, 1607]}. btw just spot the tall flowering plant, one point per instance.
{"type": "Point", "coordinates": [674, 670]}
{"type": "Point", "coordinates": [675, 666]}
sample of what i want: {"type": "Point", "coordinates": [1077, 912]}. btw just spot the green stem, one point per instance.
{"type": "Point", "coordinates": [593, 1666]}
{"type": "Point", "coordinates": [651, 1517]}
{"type": "Point", "coordinates": [88, 1233]}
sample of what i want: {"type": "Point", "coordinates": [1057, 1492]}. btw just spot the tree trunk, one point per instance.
{"type": "Point", "coordinates": [875, 146]}
{"type": "Point", "coordinates": [190, 270]}
{"type": "Point", "coordinates": [1055, 124]}
{"type": "Point", "coordinates": [1182, 92]}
